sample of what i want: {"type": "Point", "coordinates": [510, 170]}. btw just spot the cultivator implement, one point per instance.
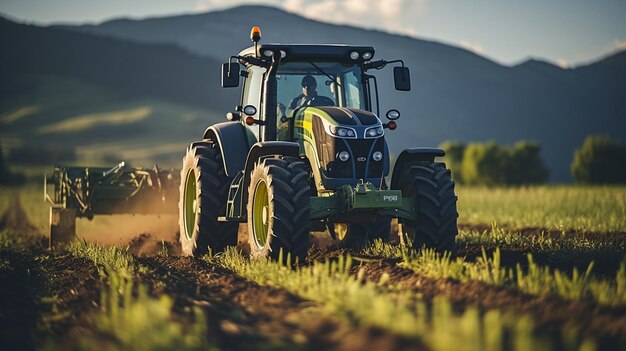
{"type": "Point", "coordinates": [83, 192]}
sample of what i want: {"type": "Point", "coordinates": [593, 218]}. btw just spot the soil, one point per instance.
{"type": "Point", "coordinates": [245, 315]}
{"type": "Point", "coordinates": [549, 314]}
{"type": "Point", "coordinates": [48, 296]}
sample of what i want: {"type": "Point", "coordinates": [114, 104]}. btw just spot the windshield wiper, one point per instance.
{"type": "Point", "coordinates": [334, 79]}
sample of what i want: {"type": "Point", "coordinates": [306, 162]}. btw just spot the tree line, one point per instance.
{"type": "Point", "coordinates": [600, 160]}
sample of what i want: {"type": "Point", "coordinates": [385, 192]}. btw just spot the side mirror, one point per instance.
{"type": "Point", "coordinates": [230, 75]}
{"type": "Point", "coordinates": [402, 78]}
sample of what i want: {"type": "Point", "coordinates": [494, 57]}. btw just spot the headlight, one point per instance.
{"type": "Point", "coordinates": [343, 156]}
{"type": "Point", "coordinates": [354, 55]}
{"type": "Point", "coordinates": [377, 156]}
{"type": "Point", "coordinates": [367, 55]}
{"type": "Point", "coordinates": [342, 132]}
{"type": "Point", "coordinates": [374, 132]}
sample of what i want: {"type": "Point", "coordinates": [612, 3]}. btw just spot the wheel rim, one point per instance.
{"type": "Point", "coordinates": [190, 204]}
{"type": "Point", "coordinates": [260, 213]}
{"type": "Point", "coordinates": [341, 230]}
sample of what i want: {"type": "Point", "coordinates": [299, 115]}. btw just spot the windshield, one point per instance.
{"type": "Point", "coordinates": [319, 84]}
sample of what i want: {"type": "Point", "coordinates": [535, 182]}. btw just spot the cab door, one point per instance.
{"type": "Point", "coordinates": [253, 86]}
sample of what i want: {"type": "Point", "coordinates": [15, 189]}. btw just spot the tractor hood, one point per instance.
{"type": "Point", "coordinates": [346, 116]}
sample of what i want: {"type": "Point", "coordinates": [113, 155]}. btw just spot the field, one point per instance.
{"type": "Point", "coordinates": [537, 268]}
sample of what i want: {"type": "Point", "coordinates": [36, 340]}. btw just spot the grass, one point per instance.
{"type": "Point", "coordinates": [31, 199]}
{"type": "Point", "coordinates": [392, 308]}
{"type": "Point", "coordinates": [560, 251]}
{"type": "Point", "coordinates": [128, 317]}
{"type": "Point", "coordinates": [535, 279]}
{"type": "Point", "coordinates": [582, 208]}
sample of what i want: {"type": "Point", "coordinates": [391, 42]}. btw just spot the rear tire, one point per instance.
{"type": "Point", "coordinates": [203, 195]}
{"type": "Point", "coordinates": [432, 188]}
{"type": "Point", "coordinates": [279, 209]}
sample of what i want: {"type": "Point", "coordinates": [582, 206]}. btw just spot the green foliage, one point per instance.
{"type": "Point", "coordinates": [524, 164]}
{"type": "Point", "coordinates": [492, 164]}
{"type": "Point", "coordinates": [564, 251]}
{"type": "Point", "coordinates": [129, 318]}
{"type": "Point", "coordinates": [454, 157]}
{"type": "Point", "coordinates": [484, 164]}
{"type": "Point", "coordinates": [597, 209]}
{"type": "Point", "coordinates": [536, 280]}
{"type": "Point", "coordinates": [601, 160]}
{"type": "Point", "coordinates": [399, 310]}
{"type": "Point", "coordinates": [141, 322]}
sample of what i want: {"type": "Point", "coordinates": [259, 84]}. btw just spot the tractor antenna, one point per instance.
{"type": "Point", "coordinates": [255, 36]}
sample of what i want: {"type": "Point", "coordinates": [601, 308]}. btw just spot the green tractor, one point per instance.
{"type": "Point", "coordinates": [304, 151]}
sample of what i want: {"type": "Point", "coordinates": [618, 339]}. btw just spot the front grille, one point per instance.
{"type": "Point", "coordinates": [328, 147]}
{"type": "Point", "coordinates": [360, 150]}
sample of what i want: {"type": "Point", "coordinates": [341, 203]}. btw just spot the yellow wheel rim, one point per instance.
{"type": "Point", "coordinates": [190, 203]}
{"type": "Point", "coordinates": [341, 230]}
{"type": "Point", "coordinates": [260, 213]}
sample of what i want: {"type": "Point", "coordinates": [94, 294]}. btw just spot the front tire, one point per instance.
{"type": "Point", "coordinates": [203, 195]}
{"type": "Point", "coordinates": [432, 189]}
{"type": "Point", "coordinates": [279, 209]}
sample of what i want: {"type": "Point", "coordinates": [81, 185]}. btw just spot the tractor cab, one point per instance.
{"type": "Point", "coordinates": [274, 77]}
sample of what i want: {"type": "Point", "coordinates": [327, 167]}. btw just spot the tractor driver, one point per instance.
{"type": "Point", "coordinates": [309, 93]}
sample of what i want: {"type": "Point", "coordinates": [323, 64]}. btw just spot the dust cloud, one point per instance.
{"type": "Point", "coordinates": [143, 234]}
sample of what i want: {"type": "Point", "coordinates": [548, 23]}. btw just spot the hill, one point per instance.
{"type": "Point", "coordinates": [456, 94]}
{"type": "Point", "coordinates": [103, 98]}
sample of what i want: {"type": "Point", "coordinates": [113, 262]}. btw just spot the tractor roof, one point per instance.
{"type": "Point", "coordinates": [323, 52]}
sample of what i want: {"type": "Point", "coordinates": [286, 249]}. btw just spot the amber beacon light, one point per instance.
{"type": "Point", "coordinates": [255, 34]}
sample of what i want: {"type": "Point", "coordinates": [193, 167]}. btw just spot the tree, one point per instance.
{"type": "Point", "coordinates": [454, 158]}
{"type": "Point", "coordinates": [601, 160]}
{"type": "Point", "coordinates": [483, 164]}
{"type": "Point", "coordinates": [524, 164]}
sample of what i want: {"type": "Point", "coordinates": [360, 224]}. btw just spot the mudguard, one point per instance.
{"type": "Point", "coordinates": [266, 148]}
{"type": "Point", "coordinates": [259, 151]}
{"type": "Point", "coordinates": [234, 145]}
{"type": "Point", "coordinates": [416, 154]}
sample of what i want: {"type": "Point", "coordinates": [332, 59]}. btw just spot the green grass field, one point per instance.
{"type": "Point", "coordinates": [559, 207]}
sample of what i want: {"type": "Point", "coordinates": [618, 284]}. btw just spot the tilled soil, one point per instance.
{"type": "Point", "coordinates": [606, 259]}
{"type": "Point", "coordinates": [49, 298]}
{"type": "Point", "coordinates": [549, 314]}
{"type": "Point", "coordinates": [46, 296]}
{"type": "Point", "coordinates": [244, 314]}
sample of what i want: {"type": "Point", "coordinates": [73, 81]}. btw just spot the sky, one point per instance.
{"type": "Point", "coordinates": [565, 32]}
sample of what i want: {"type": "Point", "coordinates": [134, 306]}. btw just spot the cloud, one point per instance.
{"type": "Point", "coordinates": [396, 16]}
{"type": "Point", "coordinates": [563, 63]}
{"type": "Point", "coordinates": [619, 45]}
{"type": "Point", "coordinates": [210, 5]}
{"type": "Point", "coordinates": [475, 48]}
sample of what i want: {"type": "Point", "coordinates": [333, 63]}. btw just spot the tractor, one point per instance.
{"type": "Point", "coordinates": [288, 163]}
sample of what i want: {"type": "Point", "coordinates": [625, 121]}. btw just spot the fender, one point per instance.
{"type": "Point", "coordinates": [416, 154]}
{"type": "Point", "coordinates": [234, 145]}
{"type": "Point", "coordinates": [261, 150]}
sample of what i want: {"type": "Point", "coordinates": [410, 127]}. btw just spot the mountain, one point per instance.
{"type": "Point", "coordinates": [69, 90]}
{"type": "Point", "coordinates": [457, 94]}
